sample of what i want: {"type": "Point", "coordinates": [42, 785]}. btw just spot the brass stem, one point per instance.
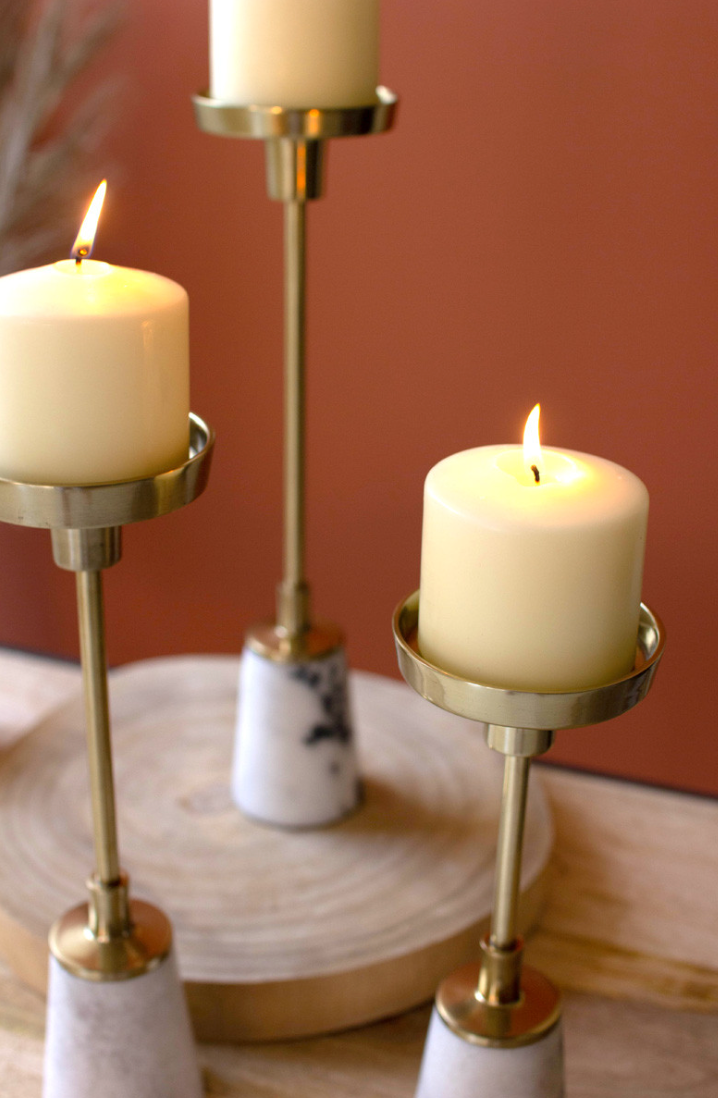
{"type": "Point", "coordinates": [90, 615]}
{"type": "Point", "coordinates": [292, 609]}
{"type": "Point", "coordinates": [294, 410]}
{"type": "Point", "coordinates": [509, 849]}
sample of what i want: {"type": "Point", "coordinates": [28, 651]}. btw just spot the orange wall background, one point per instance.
{"type": "Point", "coordinates": [541, 225]}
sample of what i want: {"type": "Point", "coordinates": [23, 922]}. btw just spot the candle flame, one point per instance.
{"type": "Point", "coordinates": [532, 446]}
{"type": "Point", "coordinates": [85, 239]}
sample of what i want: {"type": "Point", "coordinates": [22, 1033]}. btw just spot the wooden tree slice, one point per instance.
{"type": "Point", "coordinates": [279, 933]}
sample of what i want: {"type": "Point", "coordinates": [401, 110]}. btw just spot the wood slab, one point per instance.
{"type": "Point", "coordinates": [279, 933]}
{"type": "Point", "coordinates": [31, 687]}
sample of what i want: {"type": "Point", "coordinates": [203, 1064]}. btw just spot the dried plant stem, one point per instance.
{"type": "Point", "coordinates": [41, 163]}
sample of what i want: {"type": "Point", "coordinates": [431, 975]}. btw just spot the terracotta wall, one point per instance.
{"type": "Point", "coordinates": [540, 225]}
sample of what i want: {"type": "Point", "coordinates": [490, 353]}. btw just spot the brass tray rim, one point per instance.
{"type": "Point", "coordinates": [527, 709]}
{"type": "Point", "coordinates": [113, 503]}
{"type": "Point", "coordinates": [258, 121]}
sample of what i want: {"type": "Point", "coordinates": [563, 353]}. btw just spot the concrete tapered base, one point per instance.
{"type": "Point", "coordinates": [453, 1067]}
{"type": "Point", "coordinates": [294, 760]}
{"type": "Point", "coordinates": [118, 1038]}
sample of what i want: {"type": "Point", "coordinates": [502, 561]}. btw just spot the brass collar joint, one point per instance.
{"type": "Point", "coordinates": [520, 742]}
{"type": "Point", "coordinates": [109, 908]}
{"type": "Point", "coordinates": [500, 973]}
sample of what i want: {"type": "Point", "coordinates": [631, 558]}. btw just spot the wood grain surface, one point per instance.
{"type": "Point", "coordinates": [30, 688]}
{"type": "Point", "coordinates": [279, 933]}
{"type": "Point", "coordinates": [634, 892]}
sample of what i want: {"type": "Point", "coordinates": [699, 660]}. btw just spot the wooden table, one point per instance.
{"type": "Point", "coordinates": [630, 933]}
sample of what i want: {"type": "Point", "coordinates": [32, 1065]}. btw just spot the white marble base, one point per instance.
{"type": "Point", "coordinates": [294, 760]}
{"type": "Point", "coordinates": [455, 1068]}
{"type": "Point", "coordinates": [119, 1039]}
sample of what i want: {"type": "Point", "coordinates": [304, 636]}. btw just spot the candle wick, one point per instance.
{"type": "Point", "coordinates": [78, 261]}
{"type": "Point", "coordinates": [537, 475]}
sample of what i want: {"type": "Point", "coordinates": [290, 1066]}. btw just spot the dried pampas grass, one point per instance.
{"type": "Point", "coordinates": [45, 142]}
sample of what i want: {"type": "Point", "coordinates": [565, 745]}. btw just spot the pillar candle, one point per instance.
{"type": "Point", "coordinates": [531, 584]}
{"type": "Point", "coordinates": [94, 374]}
{"type": "Point", "coordinates": [294, 53]}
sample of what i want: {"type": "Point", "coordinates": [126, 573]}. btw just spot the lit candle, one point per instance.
{"type": "Point", "coordinates": [531, 567]}
{"type": "Point", "coordinates": [294, 53]}
{"type": "Point", "coordinates": [94, 371]}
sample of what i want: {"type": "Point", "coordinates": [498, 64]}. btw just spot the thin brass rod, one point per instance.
{"type": "Point", "coordinates": [90, 614]}
{"type": "Point", "coordinates": [509, 848]}
{"type": "Point", "coordinates": [292, 605]}
{"type": "Point", "coordinates": [294, 290]}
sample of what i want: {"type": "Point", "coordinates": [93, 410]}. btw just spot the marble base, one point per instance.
{"type": "Point", "coordinates": [455, 1068]}
{"type": "Point", "coordinates": [294, 759]}
{"type": "Point", "coordinates": [119, 1038]}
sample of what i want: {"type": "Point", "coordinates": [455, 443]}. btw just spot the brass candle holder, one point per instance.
{"type": "Point", "coordinates": [112, 938]}
{"type": "Point", "coordinates": [269, 746]}
{"type": "Point", "coordinates": [498, 1002]}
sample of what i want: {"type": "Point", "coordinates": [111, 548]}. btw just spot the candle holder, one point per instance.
{"type": "Point", "coordinates": [294, 761]}
{"type": "Point", "coordinates": [117, 1021]}
{"type": "Point", "coordinates": [488, 1009]}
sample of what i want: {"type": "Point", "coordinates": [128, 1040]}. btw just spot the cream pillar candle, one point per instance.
{"type": "Point", "coordinates": [526, 584]}
{"type": "Point", "coordinates": [94, 373]}
{"type": "Point", "coordinates": [294, 53]}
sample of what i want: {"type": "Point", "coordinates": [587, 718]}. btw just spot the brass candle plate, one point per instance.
{"type": "Point", "coordinates": [312, 123]}
{"type": "Point", "coordinates": [521, 708]}
{"type": "Point", "coordinates": [92, 506]}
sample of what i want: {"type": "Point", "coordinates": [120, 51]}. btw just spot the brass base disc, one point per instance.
{"type": "Point", "coordinates": [537, 1011]}
{"type": "Point", "coordinates": [82, 954]}
{"type": "Point", "coordinates": [274, 643]}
